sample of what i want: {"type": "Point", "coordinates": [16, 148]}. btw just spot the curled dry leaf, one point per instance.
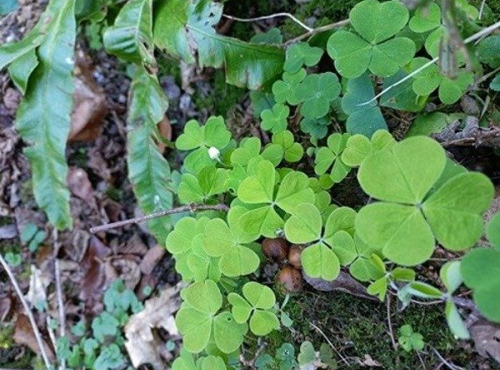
{"type": "Point", "coordinates": [151, 259]}
{"type": "Point", "coordinates": [39, 281]}
{"type": "Point", "coordinates": [24, 335]}
{"type": "Point", "coordinates": [143, 346]}
{"type": "Point", "coordinates": [90, 106]}
{"type": "Point", "coordinates": [486, 337]}
{"type": "Point", "coordinates": [124, 267]}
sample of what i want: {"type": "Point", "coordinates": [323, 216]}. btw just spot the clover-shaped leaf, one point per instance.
{"type": "Point", "coordinates": [258, 190]}
{"type": "Point", "coordinates": [358, 147]}
{"type": "Point", "coordinates": [317, 128]}
{"type": "Point", "coordinates": [248, 149]}
{"type": "Point", "coordinates": [209, 182]}
{"type": "Point", "coordinates": [301, 54]}
{"type": "Point", "coordinates": [284, 90]}
{"type": "Point", "coordinates": [493, 230]}
{"type": "Point", "coordinates": [228, 334]}
{"type": "Point", "coordinates": [213, 134]}
{"type": "Point", "coordinates": [330, 157]}
{"type": "Point", "coordinates": [275, 120]}
{"type": "Point", "coordinates": [376, 23]}
{"type": "Point", "coordinates": [316, 93]}
{"type": "Point", "coordinates": [363, 268]}
{"type": "Point", "coordinates": [256, 303]}
{"type": "Point", "coordinates": [293, 151]}
{"type": "Point", "coordinates": [426, 18]}
{"type": "Point", "coordinates": [410, 340]}
{"type": "Point", "coordinates": [362, 118]}
{"type": "Point", "coordinates": [333, 246]}
{"type": "Point", "coordinates": [408, 220]}
{"type": "Point", "coordinates": [429, 79]}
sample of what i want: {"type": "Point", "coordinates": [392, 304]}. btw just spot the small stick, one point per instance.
{"type": "Point", "coordinates": [330, 343]}
{"type": "Point", "coordinates": [314, 31]}
{"type": "Point", "coordinates": [38, 336]}
{"type": "Point", "coordinates": [276, 15]}
{"type": "Point", "coordinates": [189, 208]}
{"type": "Point", "coordinates": [60, 304]}
{"type": "Point", "coordinates": [389, 323]}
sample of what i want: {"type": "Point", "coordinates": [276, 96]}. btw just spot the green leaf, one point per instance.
{"type": "Point", "coordinates": [376, 21]}
{"type": "Point", "coordinates": [263, 322]}
{"type": "Point", "coordinates": [44, 125]}
{"type": "Point", "coordinates": [241, 308]}
{"type": "Point", "coordinates": [210, 181]}
{"type": "Point", "coordinates": [186, 29]}
{"type": "Point", "coordinates": [21, 69]}
{"type": "Point", "coordinates": [213, 134]}
{"type": "Point", "coordinates": [8, 6]}
{"type": "Point", "coordinates": [400, 231]}
{"type": "Point", "coordinates": [259, 188]}
{"type": "Point", "coordinates": [378, 288]}
{"type": "Point", "coordinates": [218, 239]}
{"type": "Point", "coordinates": [455, 321]}
{"type": "Point", "coordinates": [493, 230]}
{"type": "Point", "coordinates": [307, 353]}
{"type": "Point", "coordinates": [401, 96]}
{"type": "Point", "coordinates": [423, 290]}
{"type": "Point", "coordinates": [259, 296]}
{"type": "Point", "coordinates": [131, 36]}
{"type": "Point", "coordinates": [195, 327]}
{"type": "Point", "coordinates": [149, 171]}
{"type": "Point", "coordinates": [495, 83]}
{"type": "Point", "coordinates": [285, 90]}
{"type": "Point", "coordinates": [429, 123]}
{"type": "Point", "coordinates": [294, 189]}
{"type": "Point", "coordinates": [317, 128]}
{"type": "Point", "coordinates": [450, 90]}
{"type": "Point", "coordinates": [275, 120]}
{"type": "Point", "coordinates": [426, 18]}
{"type": "Point", "coordinates": [316, 92]}
{"type": "Point", "coordinates": [239, 261]}
{"type": "Point", "coordinates": [301, 54]}
{"type": "Point", "coordinates": [204, 296]}
{"type": "Point", "coordinates": [293, 151]}
{"type": "Point", "coordinates": [454, 210]}
{"type": "Point", "coordinates": [480, 270]}
{"type": "Point", "coordinates": [358, 147]}
{"type": "Point", "coordinates": [404, 174]}
{"type": "Point", "coordinates": [488, 51]}
{"type": "Point", "coordinates": [450, 276]}
{"type": "Point", "coordinates": [304, 225]}
{"type": "Point", "coordinates": [362, 268]}
{"type": "Point", "coordinates": [327, 157]}
{"type": "Point", "coordinates": [213, 363]}
{"type": "Point", "coordinates": [363, 119]}
{"type": "Point", "coordinates": [319, 261]}
{"type": "Point", "coordinates": [228, 334]}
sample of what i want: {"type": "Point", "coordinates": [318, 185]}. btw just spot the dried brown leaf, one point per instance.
{"type": "Point", "coordinates": [79, 184]}
{"type": "Point", "coordinates": [151, 259]}
{"type": "Point", "coordinates": [486, 337]}
{"type": "Point", "coordinates": [24, 335]}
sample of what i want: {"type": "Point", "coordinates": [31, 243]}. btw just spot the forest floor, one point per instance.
{"type": "Point", "coordinates": [362, 333]}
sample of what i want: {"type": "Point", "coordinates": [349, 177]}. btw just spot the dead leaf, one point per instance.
{"type": "Point", "coordinates": [368, 361]}
{"type": "Point", "coordinates": [134, 245]}
{"type": "Point", "coordinates": [39, 281]}
{"type": "Point", "coordinates": [11, 99]}
{"type": "Point", "coordinates": [90, 106]}
{"type": "Point", "coordinates": [79, 184]}
{"type": "Point", "coordinates": [6, 303]}
{"type": "Point", "coordinates": [142, 345]}
{"type": "Point", "coordinates": [486, 337]}
{"type": "Point", "coordinates": [165, 130]}
{"type": "Point", "coordinates": [93, 282]}
{"type": "Point", "coordinates": [124, 267]}
{"type": "Point", "coordinates": [24, 335]}
{"type": "Point", "coordinates": [8, 231]}
{"type": "Point", "coordinates": [151, 259]}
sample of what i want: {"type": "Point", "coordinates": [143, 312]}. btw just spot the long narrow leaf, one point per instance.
{"type": "Point", "coordinates": [149, 172]}
{"type": "Point", "coordinates": [131, 37]}
{"type": "Point", "coordinates": [186, 28]}
{"type": "Point", "coordinates": [43, 118]}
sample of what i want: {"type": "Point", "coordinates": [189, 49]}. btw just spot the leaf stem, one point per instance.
{"type": "Point", "coordinates": [36, 331]}
{"type": "Point", "coordinates": [188, 208]}
{"type": "Point", "coordinates": [276, 15]}
{"type": "Point", "coordinates": [315, 31]}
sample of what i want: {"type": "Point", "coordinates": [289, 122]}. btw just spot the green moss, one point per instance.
{"type": "Point", "coordinates": [358, 327]}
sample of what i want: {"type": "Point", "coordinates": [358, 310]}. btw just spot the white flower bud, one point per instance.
{"type": "Point", "coordinates": [213, 153]}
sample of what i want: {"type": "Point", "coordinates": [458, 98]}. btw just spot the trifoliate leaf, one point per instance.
{"type": "Point", "coordinates": [316, 93]}
{"type": "Point", "coordinates": [259, 188]}
{"type": "Point", "coordinates": [240, 260]}
{"type": "Point", "coordinates": [248, 149]}
{"type": "Point", "coordinates": [319, 261]}
{"type": "Point", "coordinates": [204, 296]}
{"type": "Point", "coordinates": [426, 18]}
{"type": "Point", "coordinates": [259, 296]}
{"type": "Point", "coordinates": [275, 120]}
{"type": "Point", "coordinates": [304, 225]}
{"type": "Point", "coordinates": [209, 182]}
{"type": "Point", "coordinates": [263, 322]}
{"type": "Point", "coordinates": [293, 151]}
{"type": "Point", "coordinates": [294, 189]}
{"type": "Point", "coordinates": [327, 157]}
{"type": "Point", "coordinates": [285, 90]}
{"type": "Point", "coordinates": [480, 270]}
{"type": "Point", "coordinates": [317, 128]}
{"type": "Point", "coordinates": [301, 54]}
{"type": "Point", "coordinates": [228, 334]}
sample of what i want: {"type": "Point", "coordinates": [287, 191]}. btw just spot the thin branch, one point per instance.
{"type": "Point", "coordinates": [330, 343]}
{"type": "Point", "coordinates": [486, 76]}
{"type": "Point", "coordinates": [271, 16]}
{"type": "Point", "coordinates": [189, 208]}
{"type": "Point", "coordinates": [38, 336]}
{"type": "Point", "coordinates": [468, 40]}
{"type": "Point", "coordinates": [315, 31]}
{"type": "Point", "coordinates": [481, 10]}
{"type": "Point", "coordinates": [447, 363]}
{"type": "Point", "coordinates": [60, 306]}
{"type": "Point", "coordinates": [389, 323]}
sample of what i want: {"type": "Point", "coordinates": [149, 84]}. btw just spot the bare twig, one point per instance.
{"type": "Point", "coordinates": [60, 306]}
{"type": "Point", "coordinates": [389, 323]}
{"type": "Point", "coordinates": [315, 31]}
{"type": "Point", "coordinates": [470, 39]}
{"type": "Point", "coordinates": [38, 336]}
{"type": "Point", "coordinates": [481, 9]}
{"type": "Point", "coordinates": [330, 343]}
{"type": "Point", "coordinates": [486, 76]}
{"type": "Point", "coordinates": [136, 220]}
{"type": "Point", "coordinates": [271, 16]}
{"type": "Point", "coordinates": [447, 363]}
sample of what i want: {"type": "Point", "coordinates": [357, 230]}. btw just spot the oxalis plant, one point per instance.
{"type": "Point", "coordinates": [247, 189]}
